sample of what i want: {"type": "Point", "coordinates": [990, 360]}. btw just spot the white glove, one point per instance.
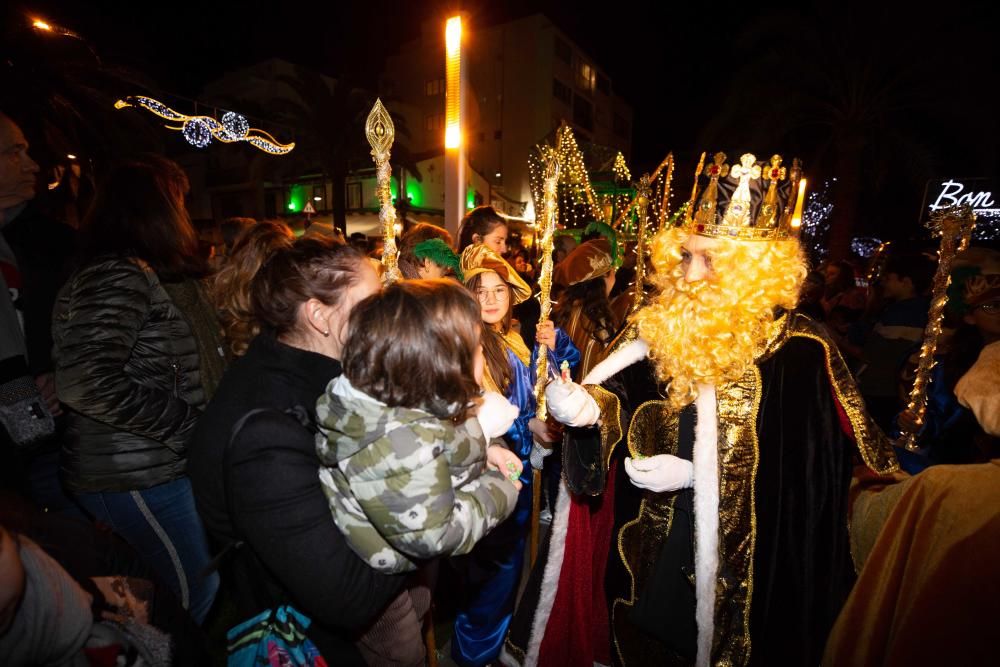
{"type": "Point", "coordinates": [663, 472]}
{"type": "Point", "coordinates": [538, 454]}
{"type": "Point", "coordinates": [570, 404]}
{"type": "Point", "coordinates": [496, 415]}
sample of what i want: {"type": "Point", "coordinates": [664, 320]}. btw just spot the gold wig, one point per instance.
{"type": "Point", "coordinates": [710, 331]}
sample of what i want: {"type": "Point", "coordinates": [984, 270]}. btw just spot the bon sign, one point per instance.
{"type": "Point", "coordinates": [976, 192]}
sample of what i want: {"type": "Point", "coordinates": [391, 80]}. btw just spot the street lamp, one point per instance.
{"type": "Point", "coordinates": [454, 153]}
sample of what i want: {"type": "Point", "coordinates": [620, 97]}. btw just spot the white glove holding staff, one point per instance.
{"type": "Point", "coordinates": [570, 404]}
{"type": "Point", "coordinates": [660, 473]}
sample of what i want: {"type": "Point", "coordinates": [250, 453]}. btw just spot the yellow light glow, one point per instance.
{"type": "Point", "coordinates": [797, 213]}
{"type": "Point", "coordinates": [38, 24]}
{"type": "Point", "coordinates": [70, 156]}
{"type": "Point", "coordinates": [453, 71]}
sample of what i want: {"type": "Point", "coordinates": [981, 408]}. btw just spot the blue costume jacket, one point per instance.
{"type": "Point", "coordinates": [494, 567]}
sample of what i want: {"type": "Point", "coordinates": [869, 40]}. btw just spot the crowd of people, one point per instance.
{"type": "Point", "coordinates": [274, 431]}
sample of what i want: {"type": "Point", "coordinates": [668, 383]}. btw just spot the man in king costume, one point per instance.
{"type": "Point", "coordinates": [737, 425]}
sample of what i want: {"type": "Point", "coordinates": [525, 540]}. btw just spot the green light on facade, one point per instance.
{"type": "Point", "coordinates": [296, 198]}
{"type": "Point", "coordinates": [470, 199]}
{"type": "Point", "coordinates": [415, 194]}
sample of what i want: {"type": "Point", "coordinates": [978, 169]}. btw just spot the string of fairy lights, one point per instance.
{"type": "Point", "coordinates": [581, 201]}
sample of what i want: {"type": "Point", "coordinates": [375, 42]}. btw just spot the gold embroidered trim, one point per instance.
{"type": "Point", "coordinates": [514, 650]}
{"type": "Point", "coordinates": [874, 447]}
{"type": "Point", "coordinates": [738, 404]}
{"type": "Point", "coordinates": [656, 509]}
{"type": "Point", "coordinates": [611, 420]}
{"type": "Point", "coordinates": [629, 334]}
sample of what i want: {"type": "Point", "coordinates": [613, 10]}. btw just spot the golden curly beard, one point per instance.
{"type": "Point", "coordinates": [711, 331]}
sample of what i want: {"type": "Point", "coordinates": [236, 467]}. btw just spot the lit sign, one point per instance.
{"type": "Point", "coordinates": [975, 192]}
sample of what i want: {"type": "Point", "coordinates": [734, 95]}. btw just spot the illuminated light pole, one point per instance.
{"type": "Point", "coordinates": [454, 145]}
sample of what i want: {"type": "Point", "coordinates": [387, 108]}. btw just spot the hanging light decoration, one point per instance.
{"type": "Point", "coordinates": [200, 130]}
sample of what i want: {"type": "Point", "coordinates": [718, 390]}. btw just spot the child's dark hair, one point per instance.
{"type": "Point", "coordinates": [414, 345]}
{"type": "Point", "coordinates": [481, 220]}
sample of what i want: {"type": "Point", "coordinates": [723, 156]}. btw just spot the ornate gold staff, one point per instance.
{"type": "Point", "coordinates": [550, 215]}
{"type": "Point", "coordinates": [954, 225]}
{"type": "Point", "coordinates": [665, 201]}
{"type": "Point", "coordinates": [381, 133]}
{"type": "Point", "coordinates": [642, 203]}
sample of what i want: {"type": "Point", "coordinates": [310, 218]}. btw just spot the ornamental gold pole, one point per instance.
{"type": "Point", "coordinates": [665, 200]}
{"type": "Point", "coordinates": [381, 133]}
{"type": "Point", "coordinates": [954, 225]}
{"type": "Point", "coordinates": [667, 162]}
{"type": "Point", "coordinates": [549, 217]}
{"type": "Point", "coordinates": [642, 203]}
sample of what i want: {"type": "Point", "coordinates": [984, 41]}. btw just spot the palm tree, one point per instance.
{"type": "Point", "coordinates": [328, 119]}
{"type": "Point", "coordinates": [832, 79]}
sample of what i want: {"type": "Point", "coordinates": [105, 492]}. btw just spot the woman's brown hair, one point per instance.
{"type": "Point", "coordinates": [481, 220]}
{"type": "Point", "coordinates": [313, 267]}
{"type": "Point", "coordinates": [494, 347]}
{"type": "Point", "coordinates": [139, 212]}
{"type": "Point", "coordinates": [430, 365]}
{"type": "Point", "coordinates": [230, 286]}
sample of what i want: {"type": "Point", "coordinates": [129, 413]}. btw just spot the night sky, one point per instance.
{"type": "Point", "coordinates": [916, 86]}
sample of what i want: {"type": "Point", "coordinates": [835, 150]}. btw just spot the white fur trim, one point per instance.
{"type": "Point", "coordinates": [706, 517]}
{"type": "Point", "coordinates": [550, 578]}
{"type": "Point", "coordinates": [620, 360]}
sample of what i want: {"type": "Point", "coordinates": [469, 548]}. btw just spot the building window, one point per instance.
{"type": "Point", "coordinates": [586, 77]}
{"type": "Point", "coordinates": [604, 84]}
{"type": "Point", "coordinates": [562, 91]}
{"type": "Point", "coordinates": [434, 122]}
{"type": "Point", "coordinates": [583, 113]}
{"type": "Point", "coordinates": [564, 51]}
{"type": "Point", "coordinates": [353, 195]}
{"type": "Point", "coordinates": [434, 87]}
{"type": "Point", "coordinates": [620, 126]}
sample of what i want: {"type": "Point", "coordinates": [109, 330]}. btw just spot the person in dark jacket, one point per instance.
{"type": "Point", "coordinates": [253, 456]}
{"type": "Point", "coordinates": [128, 368]}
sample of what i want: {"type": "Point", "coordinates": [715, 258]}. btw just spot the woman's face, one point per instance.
{"type": "Point", "coordinates": [520, 264]}
{"type": "Point", "coordinates": [494, 297]}
{"type": "Point", "coordinates": [495, 240]}
{"type": "Point", "coordinates": [367, 283]}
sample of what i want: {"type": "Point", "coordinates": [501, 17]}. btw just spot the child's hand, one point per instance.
{"type": "Point", "coordinates": [545, 334]}
{"type": "Point", "coordinates": [506, 462]}
{"type": "Point", "coordinates": [543, 431]}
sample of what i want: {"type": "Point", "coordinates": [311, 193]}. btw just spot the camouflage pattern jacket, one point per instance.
{"type": "Point", "coordinates": [403, 485]}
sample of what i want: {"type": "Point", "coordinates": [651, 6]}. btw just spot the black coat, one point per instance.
{"type": "Point", "coordinates": [294, 552]}
{"type": "Point", "coordinates": [127, 367]}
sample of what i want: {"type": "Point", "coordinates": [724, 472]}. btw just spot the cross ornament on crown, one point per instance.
{"type": "Point", "coordinates": [706, 208]}
{"type": "Point", "coordinates": [738, 211]}
{"type": "Point", "coordinates": [774, 173]}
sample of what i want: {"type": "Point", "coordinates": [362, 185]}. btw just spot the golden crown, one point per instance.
{"type": "Point", "coordinates": [756, 199]}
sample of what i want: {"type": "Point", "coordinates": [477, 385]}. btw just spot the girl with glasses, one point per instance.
{"type": "Point", "coordinates": [493, 569]}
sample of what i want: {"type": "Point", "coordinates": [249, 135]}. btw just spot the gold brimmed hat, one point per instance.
{"type": "Point", "coordinates": [479, 258]}
{"type": "Point", "coordinates": [749, 201]}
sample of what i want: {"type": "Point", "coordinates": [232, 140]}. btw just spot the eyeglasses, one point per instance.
{"type": "Point", "coordinates": [990, 307]}
{"type": "Point", "coordinates": [499, 294]}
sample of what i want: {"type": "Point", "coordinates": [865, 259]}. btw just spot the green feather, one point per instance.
{"type": "Point", "coordinates": [440, 253]}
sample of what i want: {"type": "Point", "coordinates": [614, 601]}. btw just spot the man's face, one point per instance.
{"type": "Point", "coordinates": [696, 258]}
{"type": "Point", "coordinates": [17, 169]}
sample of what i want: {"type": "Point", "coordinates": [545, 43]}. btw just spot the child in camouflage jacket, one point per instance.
{"type": "Point", "coordinates": [407, 468]}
